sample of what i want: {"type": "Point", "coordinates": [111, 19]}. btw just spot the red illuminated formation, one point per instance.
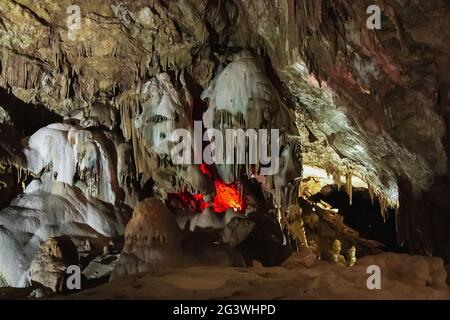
{"type": "Point", "coordinates": [193, 202]}
{"type": "Point", "coordinates": [204, 168]}
{"type": "Point", "coordinates": [227, 196]}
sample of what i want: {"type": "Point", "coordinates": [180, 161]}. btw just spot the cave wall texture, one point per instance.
{"type": "Point", "coordinates": [367, 103]}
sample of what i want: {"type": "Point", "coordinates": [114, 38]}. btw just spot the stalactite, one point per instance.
{"type": "Point", "coordinates": [349, 187]}
{"type": "Point", "coordinates": [19, 71]}
{"type": "Point", "coordinates": [371, 192]}
{"type": "Point", "coordinates": [337, 178]}
{"type": "Point", "coordinates": [84, 49]}
{"type": "Point", "coordinates": [128, 104]}
{"type": "Point", "coordinates": [383, 207]}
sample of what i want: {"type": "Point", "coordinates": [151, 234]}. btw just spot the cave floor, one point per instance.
{"type": "Point", "coordinates": [322, 281]}
{"type": "Point", "coordinates": [403, 277]}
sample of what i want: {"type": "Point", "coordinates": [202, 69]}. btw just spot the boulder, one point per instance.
{"type": "Point", "coordinates": [303, 258]}
{"type": "Point", "coordinates": [50, 265]}
{"type": "Point", "coordinates": [152, 240]}
{"type": "Point", "coordinates": [101, 267]}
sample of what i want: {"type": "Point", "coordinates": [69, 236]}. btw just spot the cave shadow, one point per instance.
{"type": "Point", "coordinates": [364, 216]}
{"type": "Point", "coordinates": [27, 117]}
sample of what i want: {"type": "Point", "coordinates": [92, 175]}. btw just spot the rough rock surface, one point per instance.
{"type": "Point", "coordinates": [50, 210]}
{"type": "Point", "coordinates": [420, 278]}
{"type": "Point", "coordinates": [152, 240]}
{"type": "Point", "coordinates": [50, 265]}
{"type": "Point", "coordinates": [101, 267]}
{"type": "Point", "coordinates": [304, 257]}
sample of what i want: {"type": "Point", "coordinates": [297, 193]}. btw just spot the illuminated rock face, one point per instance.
{"type": "Point", "coordinates": [87, 113]}
{"type": "Point", "coordinates": [92, 161]}
{"type": "Point", "coordinates": [243, 97]}
{"type": "Point", "coordinates": [164, 109]}
{"type": "Point", "coordinates": [49, 210]}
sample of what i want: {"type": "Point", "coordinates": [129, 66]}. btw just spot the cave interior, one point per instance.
{"type": "Point", "coordinates": [96, 98]}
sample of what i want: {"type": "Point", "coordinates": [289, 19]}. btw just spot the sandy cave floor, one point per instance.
{"type": "Point", "coordinates": [403, 277]}
{"type": "Point", "coordinates": [416, 278]}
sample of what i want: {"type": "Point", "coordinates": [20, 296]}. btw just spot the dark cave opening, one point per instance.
{"type": "Point", "coordinates": [364, 216]}
{"type": "Point", "coordinates": [265, 242]}
{"type": "Point", "coordinates": [147, 190]}
{"type": "Point", "coordinates": [27, 117]}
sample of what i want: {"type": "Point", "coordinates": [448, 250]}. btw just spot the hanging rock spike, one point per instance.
{"type": "Point", "coordinates": [348, 180]}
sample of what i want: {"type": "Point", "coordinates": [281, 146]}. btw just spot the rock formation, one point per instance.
{"type": "Point", "coordinates": [152, 240]}
{"type": "Point", "coordinates": [49, 268]}
{"type": "Point", "coordinates": [50, 210]}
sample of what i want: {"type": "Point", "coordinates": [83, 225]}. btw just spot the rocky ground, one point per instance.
{"type": "Point", "coordinates": [402, 277]}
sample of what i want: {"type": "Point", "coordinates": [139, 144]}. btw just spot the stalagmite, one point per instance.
{"type": "Point", "coordinates": [152, 240]}
{"type": "Point", "coordinates": [351, 256]}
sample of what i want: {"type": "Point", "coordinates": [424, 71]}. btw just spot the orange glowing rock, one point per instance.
{"type": "Point", "coordinates": [227, 196]}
